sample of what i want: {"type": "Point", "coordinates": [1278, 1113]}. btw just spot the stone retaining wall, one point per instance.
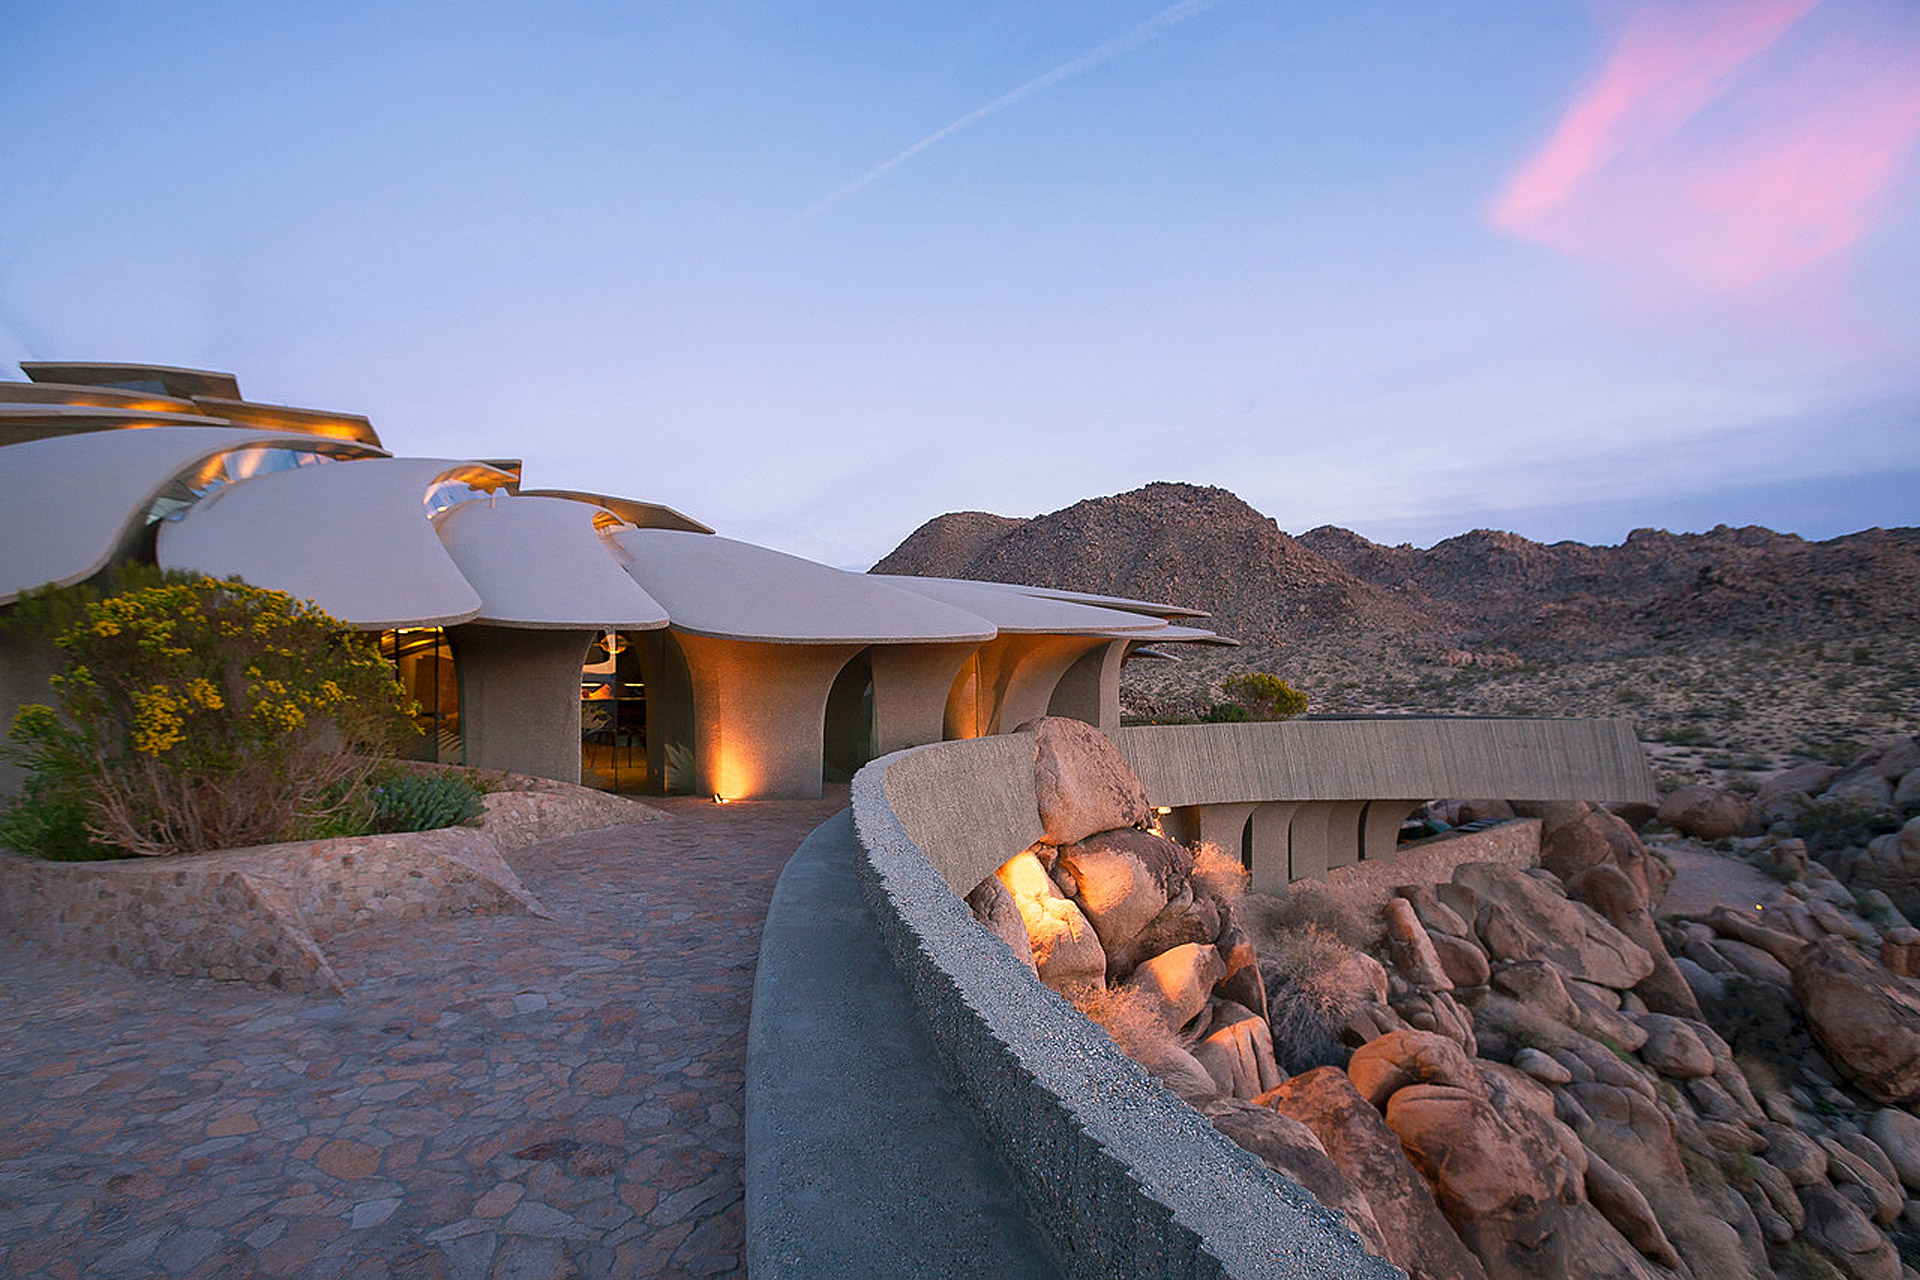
{"type": "Point", "coordinates": [262, 915]}
{"type": "Point", "coordinates": [1124, 1177]}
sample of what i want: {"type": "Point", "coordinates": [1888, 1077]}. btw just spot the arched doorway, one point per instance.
{"type": "Point", "coordinates": [848, 741]}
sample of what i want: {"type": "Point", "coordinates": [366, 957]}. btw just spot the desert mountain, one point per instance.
{"type": "Point", "coordinates": [1203, 547]}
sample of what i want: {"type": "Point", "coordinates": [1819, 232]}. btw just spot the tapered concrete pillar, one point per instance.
{"type": "Point", "coordinates": [1089, 690]}
{"type": "Point", "coordinates": [759, 712]}
{"type": "Point", "coordinates": [1224, 825]}
{"type": "Point", "coordinates": [910, 687]}
{"type": "Point", "coordinates": [520, 698]}
{"type": "Point", "coordinates": [1380, 830]}
{"type": "Point", "coordinates": [1269, 860]}
{"type": "Point", "coordinates": [1010, 681]}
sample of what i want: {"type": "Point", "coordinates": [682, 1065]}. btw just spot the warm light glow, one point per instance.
{"type": "Point", "coordinates": [1162, 809]}
{"type": "Point", "coordinates": [720, 799]}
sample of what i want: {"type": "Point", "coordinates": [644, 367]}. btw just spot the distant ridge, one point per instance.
{"type": "Point", "coordinates": [1204, 547]}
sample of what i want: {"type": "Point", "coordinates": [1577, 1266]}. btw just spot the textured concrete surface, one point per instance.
{"type": "Point", "coordinates": [496, 1096]}
{"type": "Point", "coordinates": [862, 1160]}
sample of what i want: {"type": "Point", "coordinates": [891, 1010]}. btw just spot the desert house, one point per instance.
{"type": "Point", "coordinates": [570, 635]}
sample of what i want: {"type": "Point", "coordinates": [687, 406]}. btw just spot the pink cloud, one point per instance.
{"type": "Point", "coordinates": [1721, 144]}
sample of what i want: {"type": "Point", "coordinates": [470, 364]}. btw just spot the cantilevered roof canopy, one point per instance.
{"type": "Point", "coordinates": [1122, 603]}
{"type": "Point", "coordinates": [715, 586]}
{"type": "Point", "coordinates": [1012, 610]}
{"type": "Point", "coordinates": [76, 502]}
{"type": "Point", "coordinates": [353, 537]}
{"type": "Point", "coordinates": [540, 563]}
{"type": "Point", "coordinates": [1174, 634]}
{"type": "Point", "coordinates": [20, 423]}
{"type": "Point", "coordinates": [281, 417]}
{"type": "Point", "coordinates": [184, 383]}
{"type": "Point", "coordinates": [644, 515]}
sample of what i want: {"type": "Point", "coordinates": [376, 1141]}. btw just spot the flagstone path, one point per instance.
{"type": "Point", "coordinates": [497, 1096]}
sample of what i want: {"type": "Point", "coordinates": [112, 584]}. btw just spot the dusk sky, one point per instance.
{"type": "Point", "coordinates": [815, 274]}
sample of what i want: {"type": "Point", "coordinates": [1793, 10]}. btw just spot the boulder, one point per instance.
{"type": "Point", "coordinates": [1290, 1149]}
{"type": "Point", "coordinates": [1867, 792]}
{"type": "Point", "coordinates": [1753, 962]}
{"type": "Point", "coordinates": [1620, 902]}
{"type": "Point", "coordinates": [1890, 863]}
{"type": "Point", "coordinates": [1622, 1204]}
{"type": "Point", "coordinates": [1237, 1051]}
{"type": "Point", "coordinates": [1846, 1235]}
{"type": "Point", "coordinates": [1195, 920]}
{"type": "Point", "coordinates": [1706, 813]}
{"type": "Point", "coordinates": [1510, 1180]}
{"type": "Point", "coordinates": [1381, 1067]}
{"type": "Point", "coordinates": [1353, 1134]}
{"type": "Point", "coordinates": [1900, 951]}
{"type": "Point", "coordinates": [1792, 1152]}
{"type": "Point", "coordinates": [1864, 1018]}
{"type": "Point", "coordinates": [1879, 1196]}
{"type": "Point", "coordinates": [1674, 1048]}
{"type": "Point", "coordinates": [1572, 840]}
{"type": "Point", "coordinates": [1521, 917]}
{"type": "Point", "coordinates": [1178, 982]}
{"type": "Point", "coordinates": [1783, 796]}
{"type": "Point", "coordinates": [1082, 783]}
{"type": "Point", "coordinates": [1066, 951]}
{"type": "Point", "coordinates": [1542, 1067]}
{"type": "Point", "coordinates": [1124, 879]}
{"type": "Point", "coordinates": [1412, 949]}
{"type": "Point", "coordinates": [1897, 1133]}
{"type": "Point", "coordinates": [1433, 913]}
{"type": "Point", "coordinates": [996, 910]}
{"type": "Point", "coordinates": [1463, 961]}
{"type": "Point", "coordinates": [1163, 1058]}
{"type": "Point", "coordinates": [1751, 926]}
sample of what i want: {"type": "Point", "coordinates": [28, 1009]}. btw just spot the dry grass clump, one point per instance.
{"type": "Point", "coordinates": [1345, 913]}
{"type": "Point", "coordinates": [1315, 984]}
{"type": "Point", "coordinates": [1217, 874]}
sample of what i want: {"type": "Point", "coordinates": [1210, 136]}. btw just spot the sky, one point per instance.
{"type": "Point", "coordinates": [817, 273]}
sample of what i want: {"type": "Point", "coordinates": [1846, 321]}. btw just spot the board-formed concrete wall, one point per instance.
{"type": "Point", "coordinates": [1124, 1176]}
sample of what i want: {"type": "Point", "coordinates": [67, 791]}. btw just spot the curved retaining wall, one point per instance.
{"type": "Point", "coordinates": [1124, 1177]}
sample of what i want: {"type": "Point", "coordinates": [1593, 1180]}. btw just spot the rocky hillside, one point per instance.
{"type": "Point", "coordinates": [1484, 590]}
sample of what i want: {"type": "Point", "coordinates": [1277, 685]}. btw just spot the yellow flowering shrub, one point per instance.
{"type": "Point", "coordinates": [195, 714]}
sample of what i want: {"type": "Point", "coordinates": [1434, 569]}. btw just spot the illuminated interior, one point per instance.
{"type": "Point", "coordinates": [613, 716]}
{"type": "Point", "coordinates": [423, 660]}
{"type": "Point", "coordinates": [232, 467]}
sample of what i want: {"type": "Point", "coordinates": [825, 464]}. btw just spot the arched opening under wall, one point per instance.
{"type": "Point", "coordinates": [848, 740]}
{"type": "Point", "coordinates": [423, 662]}
{"type": "Point", "coordinates": [1246, 846]}
{"type": "Point", "coordinates": [613, 715]}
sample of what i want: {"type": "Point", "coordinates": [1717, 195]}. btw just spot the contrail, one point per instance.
{"type": "Point", "coordinates": [1126, 42]}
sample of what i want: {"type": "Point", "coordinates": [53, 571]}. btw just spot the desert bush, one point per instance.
{"type": "Point", "coordinates": [1133, 1019]}
{"type": "Point", "coordinates": [194, 714]}
{"type": "Point", "coordinates": [1225, 713]}
{"type": "Point", "coordinates": [1311, 994]}
{"type": "Point", "coordinates": [1339, 912]}
{"type": "Point", "coordinates": [425, 802]}
{"type": "Point", "coordinates": [1266, 697]}
{"type": "Point", "coordinates": [1217, 874]}
{"type": "Point", "coordinates": [1829, 825]}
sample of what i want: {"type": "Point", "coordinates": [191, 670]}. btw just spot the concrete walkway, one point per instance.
{"type": "Point", "coordinates": [498, 1095]}
{"type": "Point", "coordinates": [862, 1161]}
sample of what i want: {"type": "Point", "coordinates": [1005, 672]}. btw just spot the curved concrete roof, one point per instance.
{"type": "Point", "coordinates": [1122, 603]}
{"type": "Point", "coordinates": [715, 586]}
{"type": "Point", "coordinates": [1012, 610]}
{"type": "Point", "coordinates": [644, 515]}
{"type": "Point", "coordinates": [174, 380]}
{"type": "Point", "coordinates": [540, 563]}
{"type": "Point", "coordinates": [1175, 634]}
{"type": "Point", "coordinates": [352, 537]}
{"type": "Point", "coordinates": [75, 502]}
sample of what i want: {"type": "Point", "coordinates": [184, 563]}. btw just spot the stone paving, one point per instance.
{"type": "Point", "coordinates": [496, 1096]}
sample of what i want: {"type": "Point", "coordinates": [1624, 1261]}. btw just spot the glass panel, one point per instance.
{"type": "Point", "coordinates": [613, 716]}
{"type": "Point", "coordinates": [423, 660]}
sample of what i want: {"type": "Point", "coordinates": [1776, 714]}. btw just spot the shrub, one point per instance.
{"type": "Point", "coordinates": [194, 714]}
{"type": "Point", "coordinates": [1225, 713]}
{"type": "Point", "coordinates": [1311, 994]}
{"type": "Point", "coordinates": [1266, 697]}
{"type": "Point", "coordinates": [425, 802]}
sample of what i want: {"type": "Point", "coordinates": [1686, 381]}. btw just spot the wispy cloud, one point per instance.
{"type": "Point", "coordinates": [1727, 142]}
{"type": "Point", "coordinates": [1126, 42]}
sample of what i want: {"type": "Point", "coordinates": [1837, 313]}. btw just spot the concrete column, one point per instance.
{"type": "Point", "coordinates": [1270, 860]}
{"type": "Point", "coordinates": [520, 698]}
{"type": "Point", "coordinates": [1011, 681]}
{"type": "Point", "coordinates": [911, 683]}
{"type": "Point", "coordinates": [1090, 688]}
{"type": "Point", "coordinates": [759, 712]}
{"type": "Point", "coordinates": [1307, 850]}
{"type": "Point", "coordinates": [1380, 831]}
{"type": "Point", "coordinates": [669, 709]}
{"type": "Point", "coordinates": [1222, 824]}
